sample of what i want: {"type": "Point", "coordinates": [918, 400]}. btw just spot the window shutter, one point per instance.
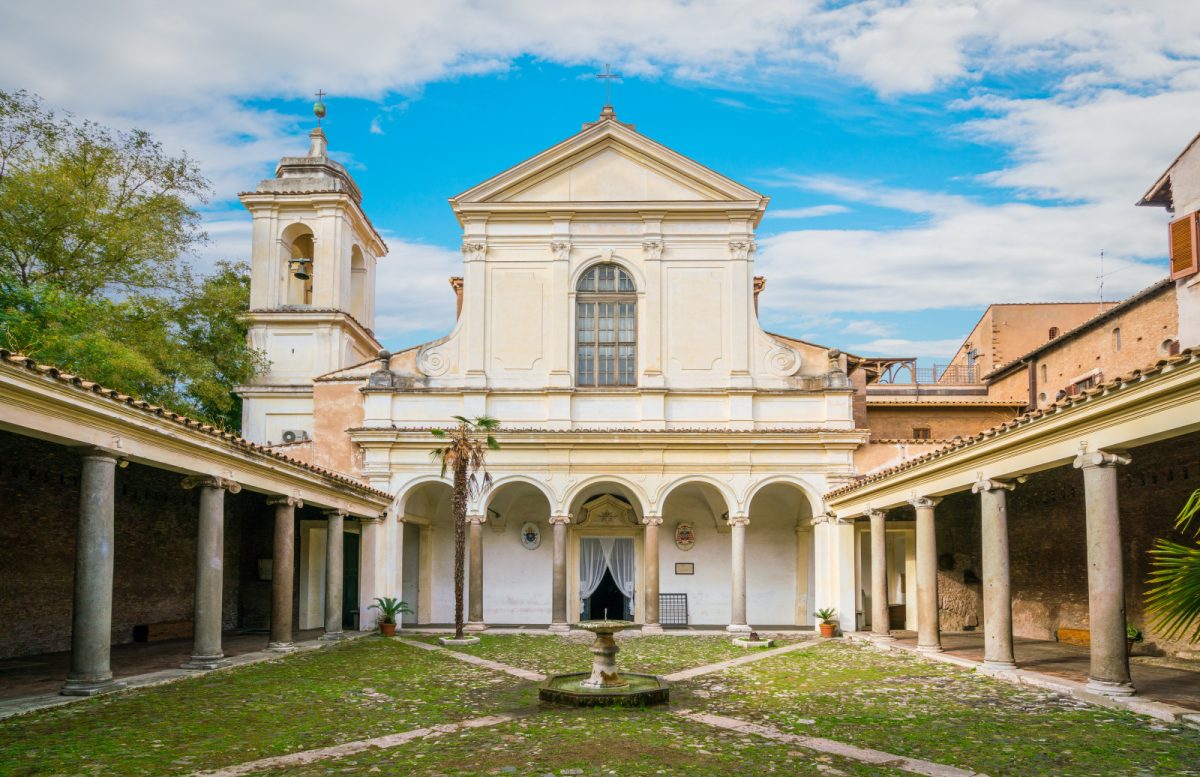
{"type": "Point", "coordinates": [1185, 246]}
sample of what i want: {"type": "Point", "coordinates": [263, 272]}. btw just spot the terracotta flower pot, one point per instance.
{"type": "Point", "coordinates": [387, 629]}
{"type": "Point", "coordinates": [828, 629]}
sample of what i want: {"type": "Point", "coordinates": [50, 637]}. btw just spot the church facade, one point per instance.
{"type": "Point", "coordinates": [654, 440]}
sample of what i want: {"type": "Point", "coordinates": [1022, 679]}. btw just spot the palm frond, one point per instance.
{"type": "Point", "coordinates": [492, 444]}
{"type": "Point", "coordinates": [1190, 510]}
{"type": "Point", "coordinates": [1174, 593]}
{"type": "Point", "coordinates": [487, 423]}
{"type": "Point", "coordinates": [438, 432]}
{"type": "Point", "coordinates": [462, 419]}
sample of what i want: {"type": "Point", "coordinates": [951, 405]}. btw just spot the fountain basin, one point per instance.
{"type": "Point", "coordinates": [639, 690]}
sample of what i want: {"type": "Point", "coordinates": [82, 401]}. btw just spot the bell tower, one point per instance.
{"type": "Point", "coordinates": [312, 287]}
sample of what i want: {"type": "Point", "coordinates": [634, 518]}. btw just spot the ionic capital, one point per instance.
{"type": "Point", "coordinates": [96, 452]}
{"type": "Point", "coordinates": [561, 250]}
{"type": "Point", "coordinates": [479, 518]}
{"type": "Point", "coordinates": [652, 520]}
{"type": "Point", "coordinates": [925, 502]}
{"type": "Point", "coordinates": [829, 516]}
{"type": "Point", "coordinates": [873, 514]}
{"type": "Point", "coordinates": [210, 481]}
{"type": "Point", "coordinates": [1102, 459]}
{"type": "Point", "coordinates": [989, 484]}
{"type": "Point", "coordinates": [336, 512]}
{"type": "Point", "coordinates": [474, 250]}
{"type": "Point", "coordinates": [738, 520]}
{"type": "Point", "coordinates": [287, 501]}
{"type": "Point", "coordinates": [563, 519]}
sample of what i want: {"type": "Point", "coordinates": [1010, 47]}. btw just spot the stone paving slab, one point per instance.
{"type": "Point", "coordinates": [351, 748]}
{"type": "Point", "coordinates": [698, 671]}
{"type": "Point", "coordinates": [21, 705]}
{"type": "Point", "coordinates": [829, 746]}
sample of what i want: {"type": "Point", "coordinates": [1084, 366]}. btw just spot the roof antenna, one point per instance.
{"type": "Point", "coordinates": [1101, 277]}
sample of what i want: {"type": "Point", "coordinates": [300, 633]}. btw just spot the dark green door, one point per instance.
{"type": "Point", "coordinates": [350, 581]}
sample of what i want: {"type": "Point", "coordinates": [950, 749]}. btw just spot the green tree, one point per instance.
{"type": "Point", "coordinates": [94, 228]}
{"type": "Point", "coordinates": [1174, 595]}
{"type": "Point", "coordinates": [465, 454]}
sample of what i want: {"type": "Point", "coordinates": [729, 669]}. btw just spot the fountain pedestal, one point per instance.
{"type": "Point", "coordinates": [605, 686]}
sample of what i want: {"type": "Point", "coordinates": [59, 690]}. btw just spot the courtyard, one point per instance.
{"type": "Point", "coordinates": [408, 706]}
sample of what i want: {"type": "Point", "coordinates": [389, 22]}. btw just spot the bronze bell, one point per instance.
{"type": "Point", "coordinates": [300, 269]}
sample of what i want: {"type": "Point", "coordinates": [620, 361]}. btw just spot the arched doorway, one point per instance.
{"type": "Point", "coordinates": [779, 557]}
{"type": "Point", "coordinates": [605, 556]}
{"type": "Point", "coordinates": [694, 553]}
{"type": "Point", "coordinates": [518, 555]}
{"type": "Point", "coordinates": [427, 554]}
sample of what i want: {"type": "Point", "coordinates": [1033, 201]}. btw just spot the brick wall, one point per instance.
{"type": "Point", "coordinates": [154, 549]}
{"type": "Point", "coordinates": [944, 422]}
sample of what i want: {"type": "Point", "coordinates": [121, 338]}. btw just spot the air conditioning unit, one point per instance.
{"type": "Point", "coordinates": [294, 435]}
{"type": "Point", "coordinates": [1185, 245]}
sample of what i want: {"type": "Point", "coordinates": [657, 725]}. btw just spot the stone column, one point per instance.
{"type": "Point", "coordinates": [997, 590]}
{"type": "Point", "coordinates": [651, 624]}
{"type": "Point", "coordinates": [929, 639]}
{"type": "Point", "coordinates": [737, 604]}
{"type": "Point", "coordinates": [91, 626]}
{"type": "Point", "coordinates": [879, 577]}
{"type": "Point", "coordinates": [334, 528]}
{"type": "Point", "coordinates": [558, 603]}
{"type": "Point", "coordinates": [475, 592]}
{"type": "Point", "coordinates": [1109, 673]}
{"type": "Point", "coordinates": [210, 562]}
{"type": "Point", "coordinates": [283, 573]}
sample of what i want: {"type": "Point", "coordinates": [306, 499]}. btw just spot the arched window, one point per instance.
{"type": "Point", "coordinates": [298, 281]}
{"type": "Point", "coordinates": [1053, 332]}
{"type": "Point", "coordinates": [1117, 339]}
{"type": "Point", "coordinates": [606, 328]}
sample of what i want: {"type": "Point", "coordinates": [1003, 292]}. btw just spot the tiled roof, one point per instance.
{"type": "Point", "coordinates": [1191, 355]}
{"type": "Point", "coordinates": [623, 430]}
{"type": "Point", "coordinates": [18, 361]}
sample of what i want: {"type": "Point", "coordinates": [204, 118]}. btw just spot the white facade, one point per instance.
{"type": "Point", "coordinates": [728, 429]}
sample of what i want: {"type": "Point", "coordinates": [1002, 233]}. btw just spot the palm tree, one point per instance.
{"type": "Point", "coordinates": [463, 454]}
{"type": "Point", "coordinates": [1175, 579]}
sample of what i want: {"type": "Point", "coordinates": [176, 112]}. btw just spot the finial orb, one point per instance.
{"type": "Point", "coordinates": [319, 109]}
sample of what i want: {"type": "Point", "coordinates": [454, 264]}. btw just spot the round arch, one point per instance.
{"type": "Point", "coordinates": [722, 488]}
{"type": "Point", "coordinates": [574, 493]}
{"type": "Point", "coordinates": [639, 280]}
{"type": "Point", "coordinates": [506, 480]}
{"type": "Point", "coordinates": [412, 486]}
{"type": "Point", "coordinates": [814, 499]}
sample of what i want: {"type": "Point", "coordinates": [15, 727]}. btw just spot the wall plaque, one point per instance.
{"type": "Point", "coordinates": [531, 535]}
{"type": "Point", "coordinates": [685, 536]}
{"type": "Point", "coordinates": [685, 568]}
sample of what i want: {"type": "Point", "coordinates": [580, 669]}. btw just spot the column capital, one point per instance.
{"type": "Point", "coordinates": [211, 481]}
{"type": "Point", "coordinates": [97, 452]}
{"type": "Point", "coordinates": [288, 501]}
{"type": "Point", "coordinates": [652, 520]}
{"type": "Point", "coordinates": [873, 514]}
{"type": "Point", "coordinates": [829, 516]}
{"type": "Point", "coordinates": [989, 484]}
{"type": "Point", "coordinates": [479, 518]}
{"type": "Point", "coordinates": [1102, 459]}
{"type": "Point", "coordinates": [335, 512]}
{"type": "Point", "coordinates": [926, 502]}
{"type": "Point", "coordinates": [738, 520]}
{"type": "Point", "coordinates": [563, 519]}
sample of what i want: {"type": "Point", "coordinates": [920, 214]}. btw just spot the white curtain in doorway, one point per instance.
{"type": "Point", "coordinates": [620, 562]}
{"type": "Point", "coordinates": [592, 563]}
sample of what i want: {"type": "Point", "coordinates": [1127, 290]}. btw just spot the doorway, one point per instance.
{"type": "Point", "coordinates": [606, 578]}
{"type": "Point", "coordinates": [350, 544]}
{"type": "Point", "coordinates": [607, 601]}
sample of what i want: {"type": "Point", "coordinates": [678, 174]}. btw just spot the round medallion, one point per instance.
{"type": "Point", "coordinates": [685, 536]}
{"type": "Point", "coordinates": [531, 535]}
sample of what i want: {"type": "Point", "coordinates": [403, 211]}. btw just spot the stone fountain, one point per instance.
{"type": "Point", "coordinates": [605, 686]}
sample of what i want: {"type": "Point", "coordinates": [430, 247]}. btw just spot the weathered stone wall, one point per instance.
{"type": "Point", "coordinates": [944, 422]}
{"type": "Point", "coordinates": [1048, 548]}
{"type": "Point", "coordinates": [154, 547]}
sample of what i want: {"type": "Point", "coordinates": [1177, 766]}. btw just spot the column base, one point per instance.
{"type": "Point", "coordinates": [204, 663]}
{"type": "Point", "coordinates": [332, 636]}
{"type": "Point", "coordinates": [652, 628]}
{"type": "Point", "coordinates": [1110, 688]}
{"type": "Point", "coordinates": [738, 628]}
{"type": "Point", "coordinates": [997, 667]}
{"type": "Point", "coordinates": [281, 647]}
{"type": "Point", "coordinates": [475, 626]}
{"type": "Point", "coordinates": [560, 628]}
{"type": "Point", "coordinates": [81, 687]}
{"type": "Point", "coordinates": [929, 649]}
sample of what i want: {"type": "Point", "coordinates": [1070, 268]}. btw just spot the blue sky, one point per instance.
{"type": "Point", "coordinates": [924, 157]}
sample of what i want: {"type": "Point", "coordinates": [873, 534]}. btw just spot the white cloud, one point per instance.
{"type": "Point", "coordinates": [811, 212]}
{"type": "Point", "coordinates": [897, 347]}
{"type": "Point", "coordinates": [869, 328]}
{"type": "Point", "coordinates": [413, 299]}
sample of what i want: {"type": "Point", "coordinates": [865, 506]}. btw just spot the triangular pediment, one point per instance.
{"type": "Point", "coordinates": [608, 162]}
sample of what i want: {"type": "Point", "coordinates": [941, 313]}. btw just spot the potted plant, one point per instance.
{"type": "Point", "coordinates": [389, 608]}
{"type": "Point", "coordinates": [828, 624]}
{"type": "Point", "coordinates": [1133, 635]}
